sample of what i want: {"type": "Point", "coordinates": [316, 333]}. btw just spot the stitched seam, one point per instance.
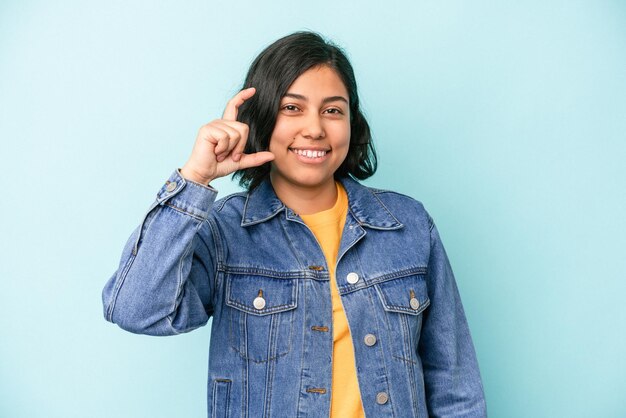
{"type": "Point", "coordinates": [406, 333]}
{"type": "Point", "coordinates": [147, 217]}
{"type": "Point", "coordinates": [248, 358]}
{"type": "Point", "coordinates": [378, 330]}
{"type": "Point", "coordinates": [245, 389]}
{"type": "Point", "coordinates": [118, 286]}
{"type": "Point", "coordinates": [181, 282]}
{"type": "Point", "coordinates": [226, 384]}
{"type": "Point", "coordinates": [219, 256]}
{"type": "Point", "coordinates": [384, 362]}
{"type": "Point", "coordinates": [274, 324]}
{"type": "Point", "coordinates": [345, 289]}
{"type": "Point", "coordinates": [403, 310]}
{"type": "Point", "coordinates": [220, 204]}
{"type": "Point", "coordinates": [263, 312]}
{"type": "Point", "coordinates": [302, 353]}
{"type": "Point", "coordinates": [294, 251]}
{"type": "Point", "coordinates": [387, 209]}
{"type": "Point", "coordinates": [300, 274]}
{"type": "Point", "coordinates": [179, 209]}
{"type": "Point", "coordinates": [413, 394]}
{"type": "Point", "coordinates": [404, 360]}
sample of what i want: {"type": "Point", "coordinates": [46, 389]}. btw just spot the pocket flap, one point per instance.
{"type": "Point", "coordinates": [407, 295]}
{"type": "Point", "coordinates": [261, 295]}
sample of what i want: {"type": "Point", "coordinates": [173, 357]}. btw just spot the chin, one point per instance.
{"type": "Point", "coordinates": [310, 181]}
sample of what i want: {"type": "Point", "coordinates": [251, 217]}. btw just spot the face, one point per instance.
{"type": "Point", "coordinates": [312, 133]}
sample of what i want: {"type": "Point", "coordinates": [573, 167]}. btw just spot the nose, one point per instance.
{"type": "Point", "coordinates": [313, 128]}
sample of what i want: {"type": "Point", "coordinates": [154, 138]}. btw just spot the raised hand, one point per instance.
{"type": "Point", "coordinates": [218, 150]}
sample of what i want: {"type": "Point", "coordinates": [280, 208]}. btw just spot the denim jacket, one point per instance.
{"type": "Point", "coordinates": [253, 265]}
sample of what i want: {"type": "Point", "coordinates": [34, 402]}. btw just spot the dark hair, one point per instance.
{"type": "Point", "coordinates": [272, 72]}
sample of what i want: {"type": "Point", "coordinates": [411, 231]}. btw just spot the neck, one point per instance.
{"type": "Point", "coordinates": [305, 200]}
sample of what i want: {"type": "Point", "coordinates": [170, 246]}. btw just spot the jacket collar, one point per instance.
{"type": "Point", "coordinates": [262, 204]}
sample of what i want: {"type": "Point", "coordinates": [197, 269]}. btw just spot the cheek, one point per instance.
{"type": "Point", "coordinates": [281, 136]}
{"type": "Point", "coordinates": [344, 134]}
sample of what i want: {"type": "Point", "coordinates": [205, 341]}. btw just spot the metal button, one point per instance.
{"type": "Point", "coordinates": [382, 398]}
{"type": "Point", "coordinates": [352, 278]}
{"type": "Point", "coordinates": [415, 304]}
{"type": "Point", "coordinates": [170, 186]}
{"type": "Point", "coordinates": [370, 340]}
{"type": "Point", "coordinates": [259, 302]}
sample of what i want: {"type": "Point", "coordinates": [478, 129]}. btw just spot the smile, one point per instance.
{"type": "Point", "coordinates": [307, 153]}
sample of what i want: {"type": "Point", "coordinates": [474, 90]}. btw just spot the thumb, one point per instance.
{"type": "Point", "coordinates": [256, 159]}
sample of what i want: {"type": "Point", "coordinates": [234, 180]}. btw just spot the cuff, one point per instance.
{"type": "Point", "coordinates": [186, 195]}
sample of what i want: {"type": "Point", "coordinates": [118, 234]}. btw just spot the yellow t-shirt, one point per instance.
{"type": "Point", "coordinates": [327, 227]}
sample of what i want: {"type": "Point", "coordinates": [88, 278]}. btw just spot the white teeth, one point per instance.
{"type": "Point", "coordinates": [310, 153]}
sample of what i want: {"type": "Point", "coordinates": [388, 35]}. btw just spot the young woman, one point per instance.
{"type": "Point", "coordinates": [327, 297]}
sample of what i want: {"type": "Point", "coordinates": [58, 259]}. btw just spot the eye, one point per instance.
{"type": "Point", "coordinates": [290, 108]}
{"type": "Point", "coordinates": [334, 111]}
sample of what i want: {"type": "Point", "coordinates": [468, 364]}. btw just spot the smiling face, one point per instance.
{"type": "Point", "coordinates": [311, 137]}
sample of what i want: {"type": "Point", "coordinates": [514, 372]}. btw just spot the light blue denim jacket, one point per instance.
{"type": "Point", "coordinates": [253, 265]}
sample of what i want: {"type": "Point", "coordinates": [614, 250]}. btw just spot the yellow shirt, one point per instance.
{"type": "Point", "coordinates": [327, 227]}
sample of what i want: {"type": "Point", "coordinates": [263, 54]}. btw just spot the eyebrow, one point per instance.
{"type": "Point", "coordinates": [326, 99]}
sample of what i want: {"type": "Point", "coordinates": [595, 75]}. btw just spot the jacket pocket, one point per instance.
{"type": "Point", "coordinates": [221, 398]}
{"type": "Point", "coordinates": [404, 300]}
{"type": "Point", "coordinates": [261, 315]}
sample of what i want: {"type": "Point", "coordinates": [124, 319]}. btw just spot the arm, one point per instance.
{"type": "Point", "coordinates": [451, 374]}
{"type": "Point", "coordinates": [165, 281]}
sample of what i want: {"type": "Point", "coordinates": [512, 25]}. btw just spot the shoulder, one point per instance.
{"type": "Point", "coordinates": [393, 196]}
{"type": "Point", "coordinates": [231, 206]}
{"type": "Point", "coordinates": [405, 208]}
{"type": "Point", "coordinates": [386, 207]}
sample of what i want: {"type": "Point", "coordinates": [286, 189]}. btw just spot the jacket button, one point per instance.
{"type": "Point", "coordinates": [370, 340]}
{"type": "Point", "coordinates": [352, 278]}
{"type": "Point", "coordinates": [382, 398]}
{"type": "Point", "coordinates": [415, 304]}
{"type": "Point", "coordinates": [170, 186]}
{"type": "Point", "coordinates": [259, 303]}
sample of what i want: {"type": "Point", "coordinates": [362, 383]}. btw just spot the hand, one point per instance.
{"type": "Point", "coordinates": [218, 150]}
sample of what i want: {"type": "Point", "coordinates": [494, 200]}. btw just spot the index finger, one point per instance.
{"type": "Point", "coordinates": [230, 113]}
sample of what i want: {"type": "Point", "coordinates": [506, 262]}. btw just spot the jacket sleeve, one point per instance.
{"type": "Point", "coordinates": [451, 374]}
{"type": "Point", "coordinates": [164, 284]}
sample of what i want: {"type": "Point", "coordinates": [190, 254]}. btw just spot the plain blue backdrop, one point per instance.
{"type": "Point", "coordinates": [506, 119]}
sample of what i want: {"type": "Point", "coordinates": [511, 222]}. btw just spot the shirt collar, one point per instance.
{"type": "Point", "coordinates": [262, 204]}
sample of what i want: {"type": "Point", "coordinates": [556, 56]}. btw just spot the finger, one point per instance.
{"type": "Point", "coordinates": [241, 145]}
{"type": "Point", "coordinates": [234, 137]}
{"type": "Point", "coordinates": [240, 132]}
{"type": "Point", "coordinates": [222, 143]}
{"type": "Point", "coordinates": [232, 107]}
{"type": "Point", "coordinates": [256, 159]}
{"type": "Point", "coordinates": [234, 132]}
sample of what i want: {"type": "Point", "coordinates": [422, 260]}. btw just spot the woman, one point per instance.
{"type": "Point", "coordinates": [327, 297]}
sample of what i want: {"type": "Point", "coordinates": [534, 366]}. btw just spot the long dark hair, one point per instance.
{"type": "Point", "coordinates": [272, 72]}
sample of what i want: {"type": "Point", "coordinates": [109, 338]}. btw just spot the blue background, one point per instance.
{"type": "Point", "coordinates": [507, 120]}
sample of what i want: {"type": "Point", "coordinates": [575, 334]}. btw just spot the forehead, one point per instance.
{"type": "Point", "coordinates": [319, 81]}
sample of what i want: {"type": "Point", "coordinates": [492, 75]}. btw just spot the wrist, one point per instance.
{"type": "Point", "coordinates": [190, 174]}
